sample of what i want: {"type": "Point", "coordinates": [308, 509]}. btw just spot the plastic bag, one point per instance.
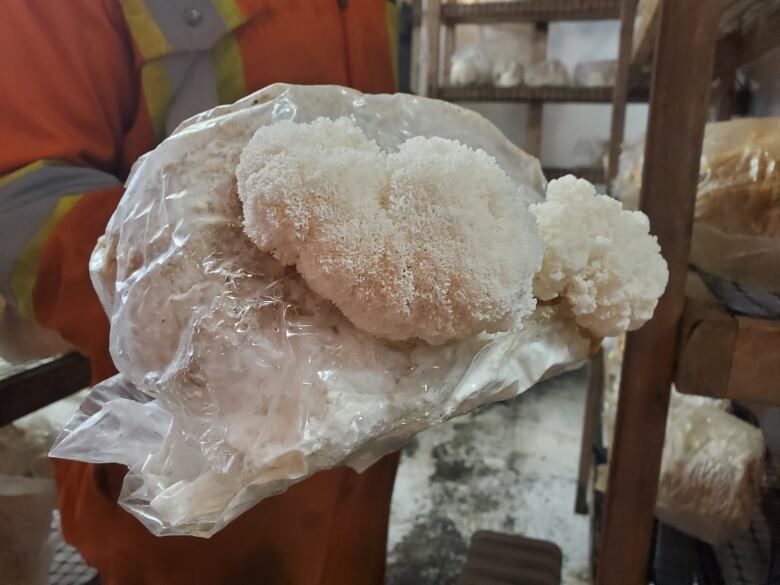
{"type": "Point", "coordinates": [595, 73]}
{"type": "Point", "coordinates": [711, 461]}
{"type": "Point", "coordinates": [496, 58]}
{"type": "Point", "coordinates": [736, 233]}
{"type": "Point", "coordinates": [235, 379]}
{"type": "Point", "coordinates": [547, 73]}
{"type": "Point", "coordinates": [27, 502]}
{"type": "Point", "coordinates": [26, 508]}
{"type": "Point", "coordinates": [471, 66]}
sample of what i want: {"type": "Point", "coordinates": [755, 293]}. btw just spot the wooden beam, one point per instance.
{"type": "Point", "coordinates": [449, 49]}
{"type": "Point", "coordinates": [37, 387]}
{"type": "Point", "coordinates": [429, 48]}
{"type": "Point", "coordinates": [737, 49]}
{"type": "Point", "coordinates": [645, 34]}
{"type": "Point", "coordinates": [620, 91]}
{"type": "Point", "coordinates": [529, 11]}
{"type": "Point", "coordinates": [590, 416]}
{"type": "Point", "coordinates": [527, 94]}
{"type": "Point", "coordinates": [727, 95]}
{"type": "Point", "coordinates": [728, 356]}
{"type": "Point", "coordinates": [679, 102]}
{"type": "Point", "coordinates": [536, 109]}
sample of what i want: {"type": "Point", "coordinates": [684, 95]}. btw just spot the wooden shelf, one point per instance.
{"type": "Point", "coordinates": [31, 389]}
{"type": "Point", "coordinates": [747, 29]}
{"type": "Point", "coordinates": [592, 174]}
{"type": "Point", "coordinates": [563, 94]}
{"type": "Point", "coordinates": [724, 355]}
{"type": "Point", "coordinates": [529, 11]}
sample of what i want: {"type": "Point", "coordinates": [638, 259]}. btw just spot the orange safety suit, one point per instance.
{"type": "Point", "coordinates": [88, 86]}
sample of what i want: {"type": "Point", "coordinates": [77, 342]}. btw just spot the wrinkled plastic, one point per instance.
{"type": "Point", "coordinates": [736, 234]}
{"type": "Point", "coordinates": [26, 508]}
{"type": "Point", "coordinates": [235, 379]}
{"type": "Point", "coordinates": [27, 502]}
{"type": "Point", "coordinates": [494, 59]}
{"type": "Point", "coordinates": [595, 73]}
{"type": "Point", "coordinates": [711, 461]}
{"type": "Point", "coordinates": [551, 73]}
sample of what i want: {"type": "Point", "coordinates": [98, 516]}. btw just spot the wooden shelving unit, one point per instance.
{"type": "Point", "coordinates": [746, 30]}
{"type": "Point", "coordinates": [593, 175]}
{"type": "Point", "coordinates": [689, 43]}
{"type": "Point", "coordinates": [439, 18]}
{"type": "Point", "coordinates": [36, 387]}
{"type": "Point", "coordinates": [529, 11]}
{"type": "Point", "coordinates": [724, 355]}
{"type": "Point", "coordinates": [525, 94]}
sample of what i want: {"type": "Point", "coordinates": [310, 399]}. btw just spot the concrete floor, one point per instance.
{"type": "Point", "coordinates": [509, 467]}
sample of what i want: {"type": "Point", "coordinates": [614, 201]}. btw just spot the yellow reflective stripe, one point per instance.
{"type": "Point", "coordinates": [158, 94]}
{"type": "Point", "coordinates": [229, 69]}
{"type": "Point", "coordinates": [147, 35]}
{"type": "Point", "coordinates": [231, 14]}
{"type": "Point", "coordinates": [391, 12]}
{"type": "Point", "coordinates": [20, 172]}
{"type": "Point", "coordinates": [25, 269]}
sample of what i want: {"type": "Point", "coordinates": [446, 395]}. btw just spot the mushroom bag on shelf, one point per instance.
{"type": "Point", "coordinates": [736, 233]}
{"type": "Point", "coordinates": [236, 378]}
{"type": "Point", "coordinates": [711, 461]}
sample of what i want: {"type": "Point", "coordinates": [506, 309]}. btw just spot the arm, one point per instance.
{"type": "Point", "coordinates": [63, 118]}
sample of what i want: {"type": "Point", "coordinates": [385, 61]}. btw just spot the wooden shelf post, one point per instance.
{"type": "Point", "coordinates": [679, 100]}
{"type": "Point", "coordinates": [428, 84]}
{"type": "Point", "coordinates": [620, 90]}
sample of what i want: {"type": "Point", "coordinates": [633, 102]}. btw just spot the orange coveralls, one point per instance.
{"type": "Point", "coordinates": [88, 86]}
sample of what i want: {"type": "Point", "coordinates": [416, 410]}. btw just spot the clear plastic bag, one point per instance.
{"type": "Point", "coordinates": [736, 233]}
{"type": "Point", "coordinates": [595, 73]}
{"type": "Point", "coordinates": [711, 461]}
{"type": "Point", "coordinates": [497, 58]}
{"type": "Point", "coordinates": [27, 502]}
{"type": "Point", "coordinates": [235, 379]}
{"type": "Point", "coordinates": [551, 73]}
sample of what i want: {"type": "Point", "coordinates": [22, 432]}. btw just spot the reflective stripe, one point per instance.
{"type": "Point", "coordinates": [25, 270]}
{"type": "Point", "coordinates": [158, 94]}
{"type": "Point", "coordinates": [191, 60]}
{"type": "Point", "coordinates": [147, 35]}
{"type": "Point", "coordinates": [226, 57]}
{"type": "Point", "coordinates": [27, 198]}
{"type": "Point", "coordinates": [195, 86]}
{"type": "Point", "coordinates": [230, 12]}
{"type": "Point", "coordinates": [170, 17]}
{"type": "Point", "coordinates": [391, 13]}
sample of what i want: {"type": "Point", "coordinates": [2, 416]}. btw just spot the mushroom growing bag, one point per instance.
{"type": "Point", "coordinates": [235, 379]}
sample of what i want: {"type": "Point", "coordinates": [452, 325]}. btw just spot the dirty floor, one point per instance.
{"type": "Point", "coordinates": [509, 467]}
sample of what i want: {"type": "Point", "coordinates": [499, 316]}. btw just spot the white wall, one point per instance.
{"type": "Point", "coordinates": [564, 125]}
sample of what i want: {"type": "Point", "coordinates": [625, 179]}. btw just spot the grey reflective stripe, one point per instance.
{"type": "Point", "coordinates": [194, 84]}
{"type": "Point", "coordinates": [191, 28]}
{"type": "Point", "coordinates": [184, 32]}
{"type": "Point", "coordinates": [27, 201]}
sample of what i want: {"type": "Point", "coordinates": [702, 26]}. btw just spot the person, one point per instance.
{"type": "Point", "coordinates": [89, 86]}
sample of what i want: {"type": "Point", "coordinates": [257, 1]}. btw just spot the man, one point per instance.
{"type": "Point", "coordinates": [90, 85]}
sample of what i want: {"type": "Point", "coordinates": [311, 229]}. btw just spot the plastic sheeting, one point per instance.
{"type": "Point", "coordinates": [551, 73]}
{"type": "Point", "coordinates": [595, 73]}
{"type": "Point", "coordinates": [711, 461]}
{"type": "Point", "coordinates": [488, 61]}
{"type": "Point", "coordinates": [736, 233]}
{"type": "Point", "coordinates": [235, 379]}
